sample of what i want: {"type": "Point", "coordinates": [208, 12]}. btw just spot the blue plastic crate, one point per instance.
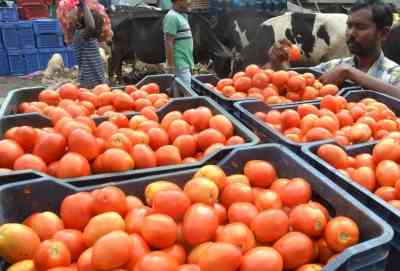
{"type": "Point", "coordinates": [31, 60]}
{"type": "Point", "coordinates": [1, 41]}
{"type": "Point", "coordinates": [4, 67]}
{"type": "Point", "coordinates": [26, 36]}
{"type": "Point", "coordinates": [46, 26]}
{"type": "Point", "coordinates": [71, 59]}
{"type": "Point", "coordinates": [8, 14]}
{"type": "Point", "coordinates": [16, 61]}
{"type": "Point", "coordinates": [9, 34]}
{"type": "Point", "coordinates": [46, 54]}
{"type": "Point", "coordinates": [50, 41]}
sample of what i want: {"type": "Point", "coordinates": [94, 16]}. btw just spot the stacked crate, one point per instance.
{"type": "Point", "coordinates": [49, 40]}
{"type": "Point", "coordinates": [33, 9]}
{"type": "Point", "coordinates": [28, 46]}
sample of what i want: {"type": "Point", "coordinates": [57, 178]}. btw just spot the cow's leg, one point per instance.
{"type": "Point", "coordinates": [117, 56]}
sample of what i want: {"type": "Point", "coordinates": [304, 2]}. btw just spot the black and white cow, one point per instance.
{"type": "Point", "coordinates": [321, 37]}
{"type": "Point", "coordinates": [236, 28]}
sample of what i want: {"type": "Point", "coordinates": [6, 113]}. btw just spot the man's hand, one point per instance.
{"type": "Point", "coordinates": [279, 52]}
{"type": "Point", "coordinates": [168, 68]}
{"type": "Point", "coordinates": [336, 76]}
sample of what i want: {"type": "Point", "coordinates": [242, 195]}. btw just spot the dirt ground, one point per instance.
{"type": "Point", "coordinates": [12, 82]}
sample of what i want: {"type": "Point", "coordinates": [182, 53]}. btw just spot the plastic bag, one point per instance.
{"type": "Point", "coordinates": [67, 13]}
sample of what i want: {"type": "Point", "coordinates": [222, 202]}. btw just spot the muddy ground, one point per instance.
{"type": "Point", "coordinates": [12, 82]}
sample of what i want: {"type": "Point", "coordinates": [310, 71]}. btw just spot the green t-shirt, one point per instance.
{"type": "Point", "coordinates": [165, 4]}
{"type": "Point", "coordinates": [177, 24]}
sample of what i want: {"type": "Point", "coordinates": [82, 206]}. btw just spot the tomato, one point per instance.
{"type": "Point", "coordinates": [45, 224]}
{"type": "Point", "coordinates": [262, 258]}
{"type": "Point", "coordinates": [140, 248]}
{"type": "Point", "coordinates": [270, 225]}
{"type": "Point", "coordinates": [159, 230]}
{"type": "Point", "coordinates": [214, 173]}
{"type": "Point", "coordinates": [260, 173]}
{"type": "Point", "coordinates": [83, 142]}
{"type": "Point", "coordinates": [226, 256]}
{"type": "Point", "coordinates": [17, 242]}
{"type": "Point", "coordinates": [237, 234]}
{"type": "Point", "coordinates": [9, 151]}
{"type": "Point", "coordinates": [307, 219]}
{"type": "Point", "coordinates": [295, 248]}
{"type": "Point", "coordinates": [76, 210]}
{"type": "Point", "coordinates": [25, 265]}
{"type": "Point", "coordinates": [73, 165]}
{"type": "Point", "coordinates": [177, 252]}
{"type": "Point", "coordinates": [201, 190]}
{"type": "Point", "coordinates": [102, 224]}
{"type": "Point", "coordinates": [51, 253]}
{"type": "Point", "coordinates": [156, 261]}
{"type": "Point", "coordinates": [243, 212]}
{"type": "Point", "coordinates": [341, 232]}
{"type": "Point", "coordinates": [173, 203]}
{"type": "Point", "coordinates": [74, 241]}
{"type": "Point", "coordinates": [112, 251]}
{"type": "Point", "coordinates": [199, 224]}
{"type": "Point", "coordinates": [109, 199]}
{"type": "Point", "coordinates": [84, 262]}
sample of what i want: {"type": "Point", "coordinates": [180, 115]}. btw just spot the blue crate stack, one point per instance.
{"type": "Point", "coordinates": [27, 46]}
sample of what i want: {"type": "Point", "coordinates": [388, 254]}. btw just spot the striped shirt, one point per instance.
{"type": "Point", "coordinates": [91, 68]}
{"type": "Point", "coordinates": [383, 68]}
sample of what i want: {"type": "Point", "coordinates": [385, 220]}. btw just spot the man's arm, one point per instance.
{"type": "Point", "coordinates": [169, 49]}
{"type": "Point", "coordinates": [170, 29]}
{"type": "Point", "coordinates": [87, 17]}
{"type": "Point", "coordinates": [342, 72]}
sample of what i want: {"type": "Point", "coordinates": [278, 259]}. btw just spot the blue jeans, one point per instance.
{"type": "Point", "coordinates": [185, 75]}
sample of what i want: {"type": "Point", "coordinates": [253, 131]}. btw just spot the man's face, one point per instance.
{"type": "Point", "coordinates": [185, 4]}
{"type": "Point", "coordinates": [362, 35]}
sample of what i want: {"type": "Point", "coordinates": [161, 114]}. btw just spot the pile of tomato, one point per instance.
{"type": "Point", "coordinates": [71, 101]}
{"type": "Point", "coordinates": [379, 171]}
{"type": "Point", "coordinates": [77, 147]}
{"type": "Point", "coordinates": [249, 221]}
{"type": "Point", "coordinates": [335, 118]}
{"type": "Point", "coordinates": [273, 87]}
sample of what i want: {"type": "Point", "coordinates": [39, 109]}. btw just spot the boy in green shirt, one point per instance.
{"type": "Point", "coordinates": [179, 41]}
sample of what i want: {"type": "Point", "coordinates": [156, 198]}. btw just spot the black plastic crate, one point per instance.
{"type": "Point", "coordinates": [166, 81]}
{"type": "Point", "coordinates": [383, 209]}
{"type": "Point", "coordinates": [199, 81]}
{"type": "Point", "coordinates": [36, 120]}
{"type": "Point", "coordinates": [17, 201]}
{"type": "Point", "coordinates": [247, 109]}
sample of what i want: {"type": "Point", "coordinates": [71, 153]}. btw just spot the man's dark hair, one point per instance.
{"type": "Point", "coordinates": [382, 12]}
